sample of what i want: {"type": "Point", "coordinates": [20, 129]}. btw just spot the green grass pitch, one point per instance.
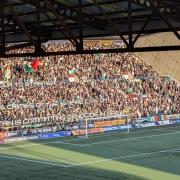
{"type": "Point", "coordinates": [147, 153]}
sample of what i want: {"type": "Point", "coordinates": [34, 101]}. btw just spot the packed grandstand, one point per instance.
{"type": "Point", "coordinates": [67, 87]}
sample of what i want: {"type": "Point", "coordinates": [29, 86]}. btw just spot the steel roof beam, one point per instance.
{"type": "Point", "coordinates": [101, 3]}
{"type": "Point", "coordinates": [2, 25]}
{"type": "Point", "coordinates": [20, 23]}
{"type": "Point", "coordinates": [110, 22]}
{"type": "Point", "coordinates": [95, 51]}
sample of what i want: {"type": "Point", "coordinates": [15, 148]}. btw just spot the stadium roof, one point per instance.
{"type": "Point", "coordinates": [36, 21]}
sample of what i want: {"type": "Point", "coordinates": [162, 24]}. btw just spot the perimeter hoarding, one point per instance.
{"type": "Point", "coordinates": [89, 131]}
{"type": "Point", "coordinates": [54, 135]}
{"type": "Point", "coordinates": [109, 123]}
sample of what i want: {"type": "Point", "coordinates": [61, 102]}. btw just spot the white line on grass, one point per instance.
{"type": "Point", "coordinates": [127, 139]}
{"type": "Point", "coordinates": [90, 137]}
{"type": "Point", "coordinates": [66, 143]}
{"type": "Point", "coordinates": [133, 131]}
{"type": "Point", "coordinates": [34, 161]}
{"type": "Point", "coordinates": [37, 144]}
{"type": "Point", "coordinates": [95, 143]}
{"type": "Point", "coordinates": [90, 162]}
{"type": "Point", "coordinates": [124, 157]}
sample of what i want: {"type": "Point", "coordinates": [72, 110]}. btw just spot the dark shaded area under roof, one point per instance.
{"type": "Point", "coordinates": [36, 21]}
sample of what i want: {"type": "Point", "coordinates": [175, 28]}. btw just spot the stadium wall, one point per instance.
{"type": "Point", "coordinates": [152, 121]}
{"type": "Point", "coordinates": [167, 63]}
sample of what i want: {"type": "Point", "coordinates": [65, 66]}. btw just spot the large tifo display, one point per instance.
{"type": "Point", "coordinates": [95, 128]}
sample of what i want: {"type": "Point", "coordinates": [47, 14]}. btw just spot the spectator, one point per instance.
{"type": "Point", "coordinates": [69, 86]}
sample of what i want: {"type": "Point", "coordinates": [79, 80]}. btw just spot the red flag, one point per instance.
{"type": "Point", "coordinates": [35, 64]}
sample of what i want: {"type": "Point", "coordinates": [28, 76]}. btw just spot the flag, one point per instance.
{"type": "Point", "coordinates": [130, 90]}
{"type": "Point", "coordinates": [27, 68]}
{"type": "Point", "coordinates": [35, 64]}
{"type": "Point", "coordinates": [156, 118]}
{"type": "Point", "coordinates": [125, 75]}
{"type": "Point", "coordinates": [150, 119]}
{"type": "Point", "coordinates": [7, 74]}
{"type": "Point", "coordinates": [97, 55]}
{"type": "Point", "coordinates": [1, 75]}
{"type": "Point", "coordinates": [71, 71]}
{"type": "Point", "coordinates": [159, 118]}
{"type": "Point", "coordinates": [71, 78]}
{"type": "Point", "coordinates": [71, 75]}
{"type": "Point", "coordinates": [126, 110]}
{"type": "Point", "coordinates": [167, 78]}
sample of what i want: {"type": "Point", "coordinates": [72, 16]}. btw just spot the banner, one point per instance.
{"type": "Point", "coordinates": [125, 127]}
{"type": "Point", "coordinates": [142, 125]}
{"type": "Point", "coordinates": [28, 121]}
{"type": "Point", "coordinates": [12, 134]}
{"type": "Point", "coordinates": [29, 105]}
{"type": "Point", "coordinates": [170, 117]}
{"type": "Point", "coordinates": [39, 136]}
{"type": "Point", "coordinates": [157, 118]}
{"type": "Point", "coordinates": [109, 123]}
{"type": "Point", "coordinates": [115, 128]}
{"type": "Point", "coordinates": [167, 122]}
{"type": "Point", "coordinates": [18, 139]}
{"type": "Point", "coordinates": [28, 83]}
{"type": "Point", "coordinates": [20, 133]}
{"type": "Point", "coordinates": [107, 129]}
{"type": "Point", "coordinates": [54, 135]}
{"type": "Point", "coordinates": [105, 42]}
{"type": "Point", "coordinates": [176, 121]}
{"type": "Point", "coordinates": [90, 131]}
{"type": "Point", "coordinates": [118, 42]}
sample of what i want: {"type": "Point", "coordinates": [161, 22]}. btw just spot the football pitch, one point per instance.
{"type": "Point", "coordinates": [146, 153]}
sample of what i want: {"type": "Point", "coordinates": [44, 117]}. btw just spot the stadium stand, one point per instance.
{"type": "Point", "coordinates": [167, 63]}
{"type": "Point", "coordinates": [99, 84]}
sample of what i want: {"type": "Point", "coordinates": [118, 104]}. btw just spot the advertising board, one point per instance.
{"type": "Point", "coordinates": [107, 129]}
{"type": "Point", "coordinates": [109, 123]}
{"type": "Point", "coordinates": [12, 133]}
{"type": "Point", "coordinates": [18, 139]}
{"type": "Point", "coordinates": [54, 135]}
{"type": "Point", "coordinates": [141, 125]}
{"type": "Point", "coordinates": [167, 122]}
{"type": "Point", "coordinates": [90, 131]}
{"type": "Point", "coordinates": [176, 121]}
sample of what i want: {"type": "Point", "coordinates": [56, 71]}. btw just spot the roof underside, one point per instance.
{"type": "Point", "coordinates": [43, 20]}
{"type": "Point", "coordinates": [94, 22]}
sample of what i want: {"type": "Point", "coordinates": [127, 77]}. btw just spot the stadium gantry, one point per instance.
{"type": "Point", "coordinates": [33, 22]}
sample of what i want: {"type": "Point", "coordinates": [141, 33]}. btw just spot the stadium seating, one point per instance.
{"type": "Point", "coordinates": [74, 85]}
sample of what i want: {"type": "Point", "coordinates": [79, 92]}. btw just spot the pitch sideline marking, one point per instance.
{"type": "Point", "coordinates": [119, 140]}
{"type": "Point", "coordinates": [71, 140]}
{"type": "Point", "coordinates": [97, 143]}
{"type": "Point", "coordinates": [117, 133]}
{"type": "Point", "coordinates": [124, 157]}
{"type": "Point", "coordinates": [106, 134]}
{"type": "Point", "coordinates": [90, 162]}
{"type": "Point", "coordinates": [34, 161]}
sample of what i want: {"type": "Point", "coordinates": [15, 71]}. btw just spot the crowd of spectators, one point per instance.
{"type": "Point", "coordinates": [99, 84]}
